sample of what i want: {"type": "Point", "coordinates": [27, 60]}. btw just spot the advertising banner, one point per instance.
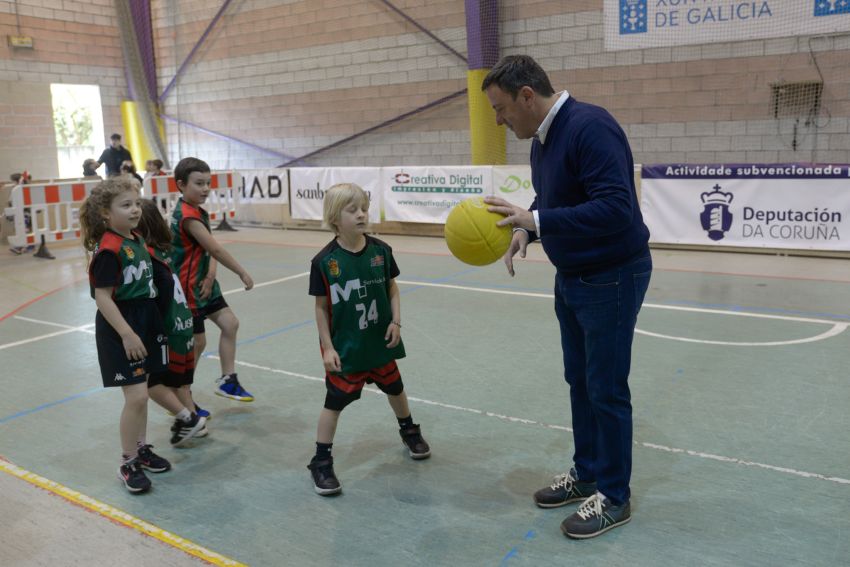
{"type": "Point", "coordinates": [792, 206]}
{"type": "Point", "coordinates": [264, 186]}
{"type": "Point", "coordinates": [638, 24]}
{"type": "Point", "coordinates": [427, 193]}
{"type": "Point", "coordinates": [308, 186]}
{"type": "Point", "coordinates": [513, 183]}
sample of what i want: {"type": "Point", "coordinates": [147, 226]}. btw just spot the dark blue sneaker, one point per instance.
{"type": "Point", "coordinates": [150, 461]}
{"type": "Point", "coordinates": [200, 412]}
{"type": "Point", "coordinates": [594, 517]}
{"type": "Point", "coordinates": [565, 489]}
{"type": "Point", "coordinates": [229, 387]}
{"type": "Point", "coordinates": [133, 477]}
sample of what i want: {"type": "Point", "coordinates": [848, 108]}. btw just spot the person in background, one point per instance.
{"type": "Point", "coordinates": [128, 169]}
{"type": "Point", "coordinates": [153, 168]}
{"type": "Point", "coordinates": [90, 169]}
{"type": "Point", "coordinates": [114, 156]}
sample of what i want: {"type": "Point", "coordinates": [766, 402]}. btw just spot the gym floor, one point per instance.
{"type": "Point", "coordinates": [739, 387]}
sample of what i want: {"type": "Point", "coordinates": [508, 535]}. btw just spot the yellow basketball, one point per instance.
{"type": "Point", "coordinates": [472, 235]}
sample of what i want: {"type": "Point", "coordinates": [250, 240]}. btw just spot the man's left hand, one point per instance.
{"type": "Point", "coordinates": [514, 216]}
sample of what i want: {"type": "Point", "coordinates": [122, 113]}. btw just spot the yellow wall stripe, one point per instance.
{"type": "Point", "coordinates": [487, 138]}
{"type": "Point", "coordinates": [118, 516]}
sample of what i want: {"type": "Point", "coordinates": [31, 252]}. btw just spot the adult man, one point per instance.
{"type": "Point", "coordinates": [586, 215]}
{"type": "Point", "coordinates": [114, 156]}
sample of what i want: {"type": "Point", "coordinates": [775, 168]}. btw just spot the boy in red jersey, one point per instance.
{"type": "Point", "coordinates": [193, 245]}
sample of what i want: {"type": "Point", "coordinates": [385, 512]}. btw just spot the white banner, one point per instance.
{"type": "Point", "coordinates": [793, 206]}
{"type": "Point", "coordinates": [638, 24]}
{"type": "Point", "coordinates": [264, 186]}
{"type": "Point", "coordinates": [308, 186]}
{"type": "Point", "coordinates": [513, 183]}
{"type": "Point", "coordinates": [427, 193]}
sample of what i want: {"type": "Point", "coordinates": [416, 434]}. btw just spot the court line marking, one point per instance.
{"type": "Point", "coordinates": [837, 327]}
{"type": "Point", "coordinates": [119, 516]}
{"type": "Point", "coordinates": [524, 421]}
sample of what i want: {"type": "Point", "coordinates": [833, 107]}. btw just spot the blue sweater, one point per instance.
{"type": "Point", "coordinates": [583, 176]}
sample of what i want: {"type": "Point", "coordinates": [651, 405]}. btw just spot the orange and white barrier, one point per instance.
{"type": "Point", "coordinates": [52, 209]}
{"type": "Point", "coordinates": [221, 203]}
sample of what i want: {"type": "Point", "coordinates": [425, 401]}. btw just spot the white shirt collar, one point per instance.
{"type": "Point", "coordinates": [544, 126]}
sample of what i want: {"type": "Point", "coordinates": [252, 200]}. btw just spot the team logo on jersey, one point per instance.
{"type": "Point", "coordinates": [138, 371]}
{"type": "Point", "coordinates": [333, 267]}
{"type": "Point", "coordinates": [129, 252]}
{"type": "Point", "coordinates": [377, 260]}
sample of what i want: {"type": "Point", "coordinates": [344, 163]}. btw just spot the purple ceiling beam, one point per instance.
{"type": "Point", "coordinates": [189, 57]}
{"type": "Point", "coordinates": [482, 33]}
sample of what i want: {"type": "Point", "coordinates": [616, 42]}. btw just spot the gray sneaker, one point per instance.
{"type": "Point", "coordinates": [594, 517]}
{"type": "Point", "coordinates": [565, 488]}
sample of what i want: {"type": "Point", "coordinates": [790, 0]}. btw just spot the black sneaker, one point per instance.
{"type": "Point", "coordinates": [151, 461]}
{"type": "Point", "coordinates": [324, 479]}
{"type": "Point", "coordinates": [565, 488]}
{"type": "Point", "coordinates": [416, 445]}
{"type": "Point", "coordinates": [185, 430]}
{"type": "Point", "coordinates": [133, 477]}
{"type": "Point", "coordinates": [594, 517]}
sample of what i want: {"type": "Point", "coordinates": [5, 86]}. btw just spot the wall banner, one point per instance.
{"type": "Point", "coordinates": [638, 24]}
{"type": "Point", "coordinates": [264, 186]}
{"type": "Point", "coordinates": [308, 186]}
{"type": "Point", "coordinates": [791, 206]}
{"type": "Point", "coordinates": [427, 193]}
{"type": "Point", "coordinates": [513, 183]}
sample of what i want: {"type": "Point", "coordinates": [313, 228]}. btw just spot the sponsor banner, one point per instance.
{"type": "Point", "coordinates": [513, 183]}
{"type": "Point", "coordinates": [307, 186]}
{"type": "Point", "coordinates": [794, 206]}
{"type": "Point", "coordinates": [638, 24]}
{"type": "Point", "coordinates": [264, 186]}
{"type": "Point", "coordinates": [427, 193]}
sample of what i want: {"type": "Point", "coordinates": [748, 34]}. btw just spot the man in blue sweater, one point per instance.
{"type": "Point", "coordinates": [586, 215]}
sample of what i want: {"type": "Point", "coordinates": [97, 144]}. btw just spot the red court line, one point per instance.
{"type": "Point", "coordinates": [39, 298]}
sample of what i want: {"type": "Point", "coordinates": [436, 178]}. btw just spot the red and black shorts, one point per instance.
{"type": "Point", "coordinates": [200, 314]}
{"type": "Point", "coordinates": [346, 388]}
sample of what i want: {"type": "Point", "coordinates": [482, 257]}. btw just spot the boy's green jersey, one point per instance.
{"type": "Point", "coordinates": [189, 261]}
{"type": "Point", "coordinates": [356, 287]}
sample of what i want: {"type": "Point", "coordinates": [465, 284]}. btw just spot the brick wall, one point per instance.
{"type": "Point", "coordinates": [76, 42]}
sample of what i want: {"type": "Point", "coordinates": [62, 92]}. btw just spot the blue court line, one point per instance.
{"type": "Point", "coordinates": [51, 404]}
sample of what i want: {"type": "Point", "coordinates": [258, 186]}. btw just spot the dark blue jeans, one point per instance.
{"type": "Point", "coordinates": [597, 314]}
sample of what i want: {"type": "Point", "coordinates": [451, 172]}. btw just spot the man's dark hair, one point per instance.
{"type": "Point", "coordinates": [187, 166]}
{"type": "Point", "coordinates": [157, 162]}
{"type": "Point", "coordinates": [115, 137]}
{"type": "Point", "coordinates": [516, 71]}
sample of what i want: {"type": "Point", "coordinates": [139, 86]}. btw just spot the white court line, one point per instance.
{"type": "Point", "coordinates": [66, 329]}
{"type": "Point", "coordinates": [512, 419]}
{"type": "Point", "coordinates": [272, 282]}
{"type": "Point", "coordinates": [837, 328]}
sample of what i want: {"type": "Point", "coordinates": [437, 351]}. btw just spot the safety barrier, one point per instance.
{"type": "Point", "coordinates": [221, 203]}
{"type": "Point", "coordinates": [47, 212]}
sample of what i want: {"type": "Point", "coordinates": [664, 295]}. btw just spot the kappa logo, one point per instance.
{"type": "Point", "coordinates": [119, 377]}
{"type": "Point", "coordinates": [715, 216]}
{"type": "Point", "coordinates": [831, 7]}
{"type": "Point", "coordinates": [632, 16]}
